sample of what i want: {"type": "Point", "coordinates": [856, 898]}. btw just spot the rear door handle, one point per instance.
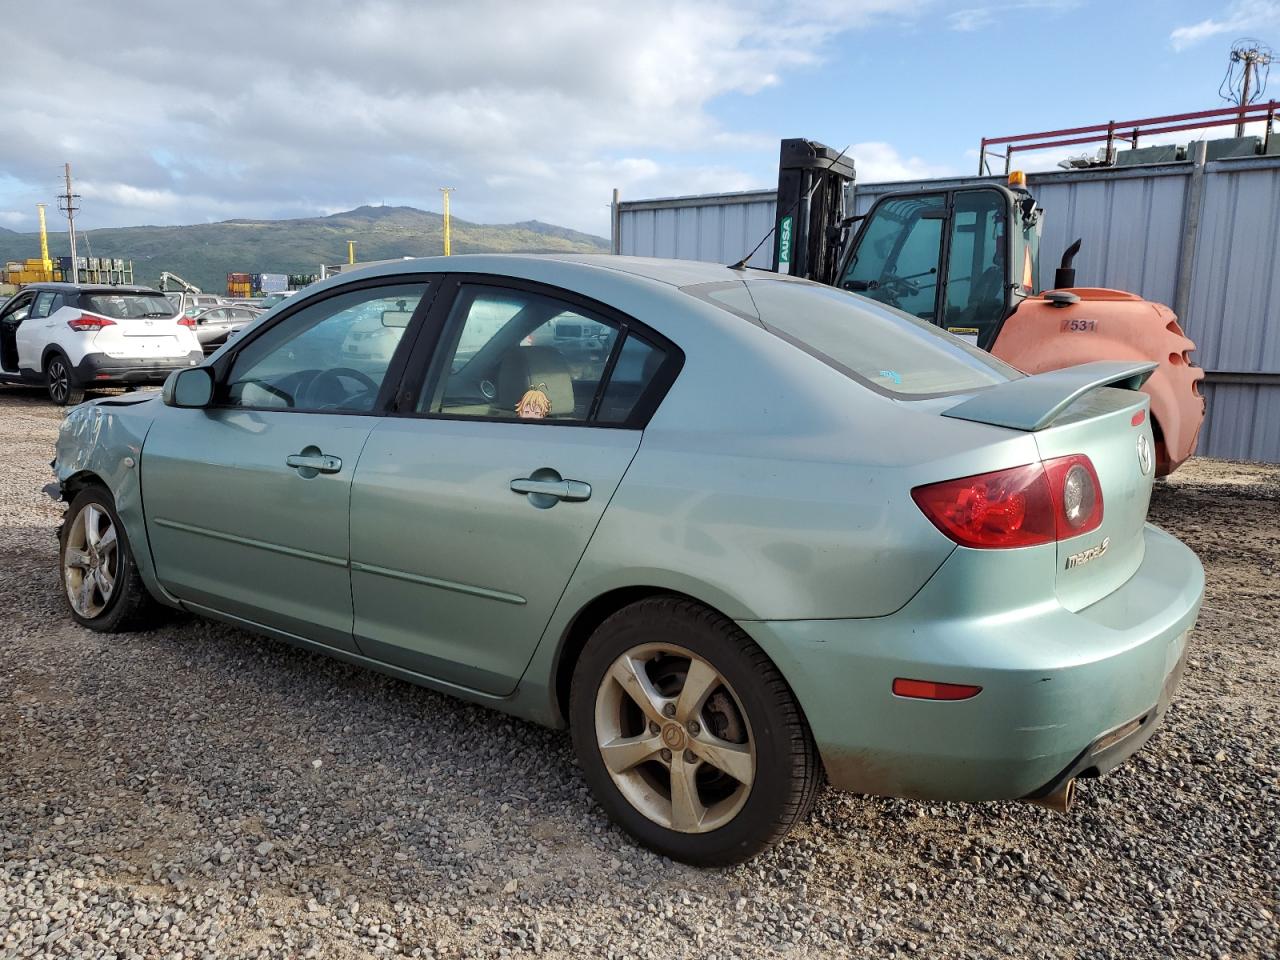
{"type": "Point", "coordinates": [310, 463]}
{"type": "Point", "coordinates": [574, 491]}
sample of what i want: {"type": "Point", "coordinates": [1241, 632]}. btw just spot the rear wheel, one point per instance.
{"type": "Point", "coordinates": [60, 381]}
{"type": "Point", "coordinates": [100, 579]}
{"type": "Point", "coordinates": [688, 735]}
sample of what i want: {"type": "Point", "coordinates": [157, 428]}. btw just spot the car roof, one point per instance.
{"type": "Point", "coordinates": [675, 273]}
{"type": "Point", "coordinates": [89, 287]}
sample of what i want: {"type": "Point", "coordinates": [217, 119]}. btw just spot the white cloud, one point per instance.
{"type": "Point", "coordinates": [970, 19]}
{"type": "Point", "coordinates": [1243, 15]}
{"type": "Point", "coordinates": [532, 110]}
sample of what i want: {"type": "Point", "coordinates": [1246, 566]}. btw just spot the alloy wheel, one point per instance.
{"type": "Point", "coordinates": [91, 561]}
{"type": "Point", "coordinates": [674, 738]}
{"type": "Point", "coordinates": [59, 381]}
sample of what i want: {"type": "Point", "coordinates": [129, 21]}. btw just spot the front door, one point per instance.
{"type": "Point", "coordinates": [469, 516]}
{"type": "Point", "coordinates": [14, 313]}
{"type": "Point", "coordinates": [247, 501]}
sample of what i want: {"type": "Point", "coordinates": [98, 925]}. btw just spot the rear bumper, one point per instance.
{"type": "Point", "coordinates": [102, 369]}
{"type": "Point", "coordinates": [1058, 688]}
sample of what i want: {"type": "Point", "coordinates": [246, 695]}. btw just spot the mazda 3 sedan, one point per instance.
{"type": "Point", "coordinates": [761, 534]}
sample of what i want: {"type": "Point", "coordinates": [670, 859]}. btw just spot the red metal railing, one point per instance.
{"type": "Point", "coordinates": [1128, 131]}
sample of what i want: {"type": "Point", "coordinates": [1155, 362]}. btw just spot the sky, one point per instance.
{"type": "Point", "coordinates": [537, 110]}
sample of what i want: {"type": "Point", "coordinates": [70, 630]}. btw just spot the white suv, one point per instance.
{"type": "Point", "coordinates": [70, 337]}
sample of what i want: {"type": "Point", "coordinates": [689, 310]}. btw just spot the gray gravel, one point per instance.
{"type": "Point", "coordinates": [199, 792]}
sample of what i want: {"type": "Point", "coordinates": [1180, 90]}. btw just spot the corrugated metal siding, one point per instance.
{"type": "Point", "coordinates": [1132, 222]}
{"type": "Point", "coordinates": [1243, 422]}
{"type": "Point", "coordinates": [720, 228]}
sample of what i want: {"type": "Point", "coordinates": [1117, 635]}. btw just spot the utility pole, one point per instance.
{"type": "Point", "coordinates": [45, 263]}
{"type": "Point", "coordinates": [67, 204]}
{"type": "Point", "coordinates": [446, 191]}
{"type": "Point", "coordinates": [1252, 57]}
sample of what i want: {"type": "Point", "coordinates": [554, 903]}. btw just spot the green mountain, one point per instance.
{"type": "Point", "coordinates": [204, 253]}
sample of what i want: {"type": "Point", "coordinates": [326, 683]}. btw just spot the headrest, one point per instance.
{"type": "Point", "coordinates": [543, 368]}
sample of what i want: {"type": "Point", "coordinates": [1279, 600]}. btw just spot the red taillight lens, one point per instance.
{"type": "Point", "coordinates": [185, 321]}
{"type": "Point", "coordinates": [89, 322]}
{"type": "Point", "coordinates": [1007, 508]}
{"type": "Point", "coordinates": [1020, 507]}
{"type": "Point", "coordinates": [1077, 495]}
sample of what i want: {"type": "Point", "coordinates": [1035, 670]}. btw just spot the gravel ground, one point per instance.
{"type": "Point", "coordinates": [199, 792]}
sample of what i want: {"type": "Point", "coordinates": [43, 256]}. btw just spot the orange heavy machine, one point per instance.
{"type": "Point", "coordinates": [967, 259]}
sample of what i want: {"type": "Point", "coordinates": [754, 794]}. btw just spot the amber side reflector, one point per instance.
{"type": "Point", "coordinates": [1138, 418]}
{"type": "Point", "coordinates": [930, 690]}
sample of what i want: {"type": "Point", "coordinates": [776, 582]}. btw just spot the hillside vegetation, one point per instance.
{"type": "Point", "coordinates": [205, 253]}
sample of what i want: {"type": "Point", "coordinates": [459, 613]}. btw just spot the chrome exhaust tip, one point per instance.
{"type": "Point", "coordinates": [1060, 799]}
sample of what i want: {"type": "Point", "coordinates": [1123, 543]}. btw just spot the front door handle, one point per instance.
{"type": "Point", "coordinates": [546, 487]}
{"type": "Point", "coordinates": [311, 461]}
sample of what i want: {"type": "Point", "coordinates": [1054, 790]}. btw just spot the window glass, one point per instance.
{"type": "Point", "coordinates": [899, 255]}
{"type": "Point", "coordinates": [125, 306]}
{"type": "Point", "coordinates": [43, 305]}
{"type": "Point", "coordinates": [514, 355]}
{"type": "Point", "coordinates": [976, 269]}
{"type": "Point", "coordinates": [637, 363]}
{"type": "Point", "coordinates": [331, 355]}
{"type": "Point", "coordinates": [893, 352]}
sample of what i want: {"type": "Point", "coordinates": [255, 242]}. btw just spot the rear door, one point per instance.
{"type": "Point", "coordinates": [247, 501]}
{"type": "Point", "coordinates": [470, 512]}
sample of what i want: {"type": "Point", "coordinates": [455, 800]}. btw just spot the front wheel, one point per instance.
{"type": "Point", "coordinates": [689, 737]}
{"type": "Point", "coordinates": [99, 576]}
{"type": "Point", "coordinates": [60, 382]}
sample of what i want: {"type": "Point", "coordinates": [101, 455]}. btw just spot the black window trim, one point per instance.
{"type": "Point", "coordinates": [297, 303]}
{"type": "Point", "coordinates": [429, 337]}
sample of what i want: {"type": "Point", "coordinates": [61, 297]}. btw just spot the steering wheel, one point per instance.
{"type": "Point", "coordinates": [321, 389]}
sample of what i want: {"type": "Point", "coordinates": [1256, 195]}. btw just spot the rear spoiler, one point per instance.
{"type": "Point", "coordinates": [1032, 403]}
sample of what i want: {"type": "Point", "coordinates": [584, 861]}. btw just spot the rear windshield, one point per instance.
{"type": "Point", "coordinates": [123, 306]}
{"type": "Point", "coordinates": [886, 349]}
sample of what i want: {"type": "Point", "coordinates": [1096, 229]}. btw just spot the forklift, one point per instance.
{"type": "Point", "coordinates": [967, 259]}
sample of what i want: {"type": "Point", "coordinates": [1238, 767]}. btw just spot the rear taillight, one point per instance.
{"type": "Point", "coordinates": [185, 321]}
{"type": "Point", "coordinates": [87, 322]}
{"type": "Point", "coordinates": [1076, 493]}
{"type": "Point", "coordinates": [1019, 507]}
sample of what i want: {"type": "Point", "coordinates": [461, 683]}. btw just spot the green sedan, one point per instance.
{"type": "Point", "coordinates": [762, 534]}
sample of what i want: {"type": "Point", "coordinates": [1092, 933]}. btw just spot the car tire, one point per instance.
{"type": "Point", "coordinates": [660, 783]}
{"type": "Point", "coordinates": [93, 547]}
{"type": "Point", "coordinates": [60, 382]}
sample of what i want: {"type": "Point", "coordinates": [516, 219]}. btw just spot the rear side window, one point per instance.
{"type": "Point", "coordinates": [523, 356]}
{"type": "Point", "coordinates": [43, 305]}
{"type": "Point", "coordinates": [888, 350]}
{"type": "Point", "coordinates": [125, 306]}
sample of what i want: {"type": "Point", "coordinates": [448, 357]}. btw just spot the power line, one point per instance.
{"type": "Point", "coordinates": [1248, 69]}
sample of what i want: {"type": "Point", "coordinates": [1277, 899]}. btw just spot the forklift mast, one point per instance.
{"type": "Point", "coordinates": [810, 221]}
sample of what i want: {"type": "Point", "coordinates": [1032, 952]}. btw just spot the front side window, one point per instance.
{"type": "Point", "coordinates": [43, 305]}
{"type": "Point", "coordinates": [899, 254]}
{"type": "Point", "coordinates": [893, 353]}
{"type": "Point", "coordinates": [332, 355]}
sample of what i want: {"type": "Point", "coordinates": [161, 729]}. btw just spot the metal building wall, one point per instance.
{"type": "Point", "coordinates": [1204, 239]}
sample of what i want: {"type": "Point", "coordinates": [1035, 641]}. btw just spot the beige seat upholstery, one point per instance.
{"type": "Point", "coordinates": [543, 368]}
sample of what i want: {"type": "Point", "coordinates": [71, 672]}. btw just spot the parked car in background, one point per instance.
{"type": "Point", "coordinates": [253, 303]}
{"type": "Point", "coordinates": [69, 337]}
{"type": "Point", "coordinates": [271, 299]}
{"type": "Point", "coordinates": [212, 327]}
{"type": "Point", "coordinates": [192, 303]}
{"type": "Point", "coordinates": [735, 550]}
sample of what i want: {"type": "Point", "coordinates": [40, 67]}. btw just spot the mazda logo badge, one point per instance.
{"type": "Point", "coordinates": [1144, 455]}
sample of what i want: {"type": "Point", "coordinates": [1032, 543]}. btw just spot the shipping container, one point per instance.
{"type": "Point", "coordinates": [273, 282]}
